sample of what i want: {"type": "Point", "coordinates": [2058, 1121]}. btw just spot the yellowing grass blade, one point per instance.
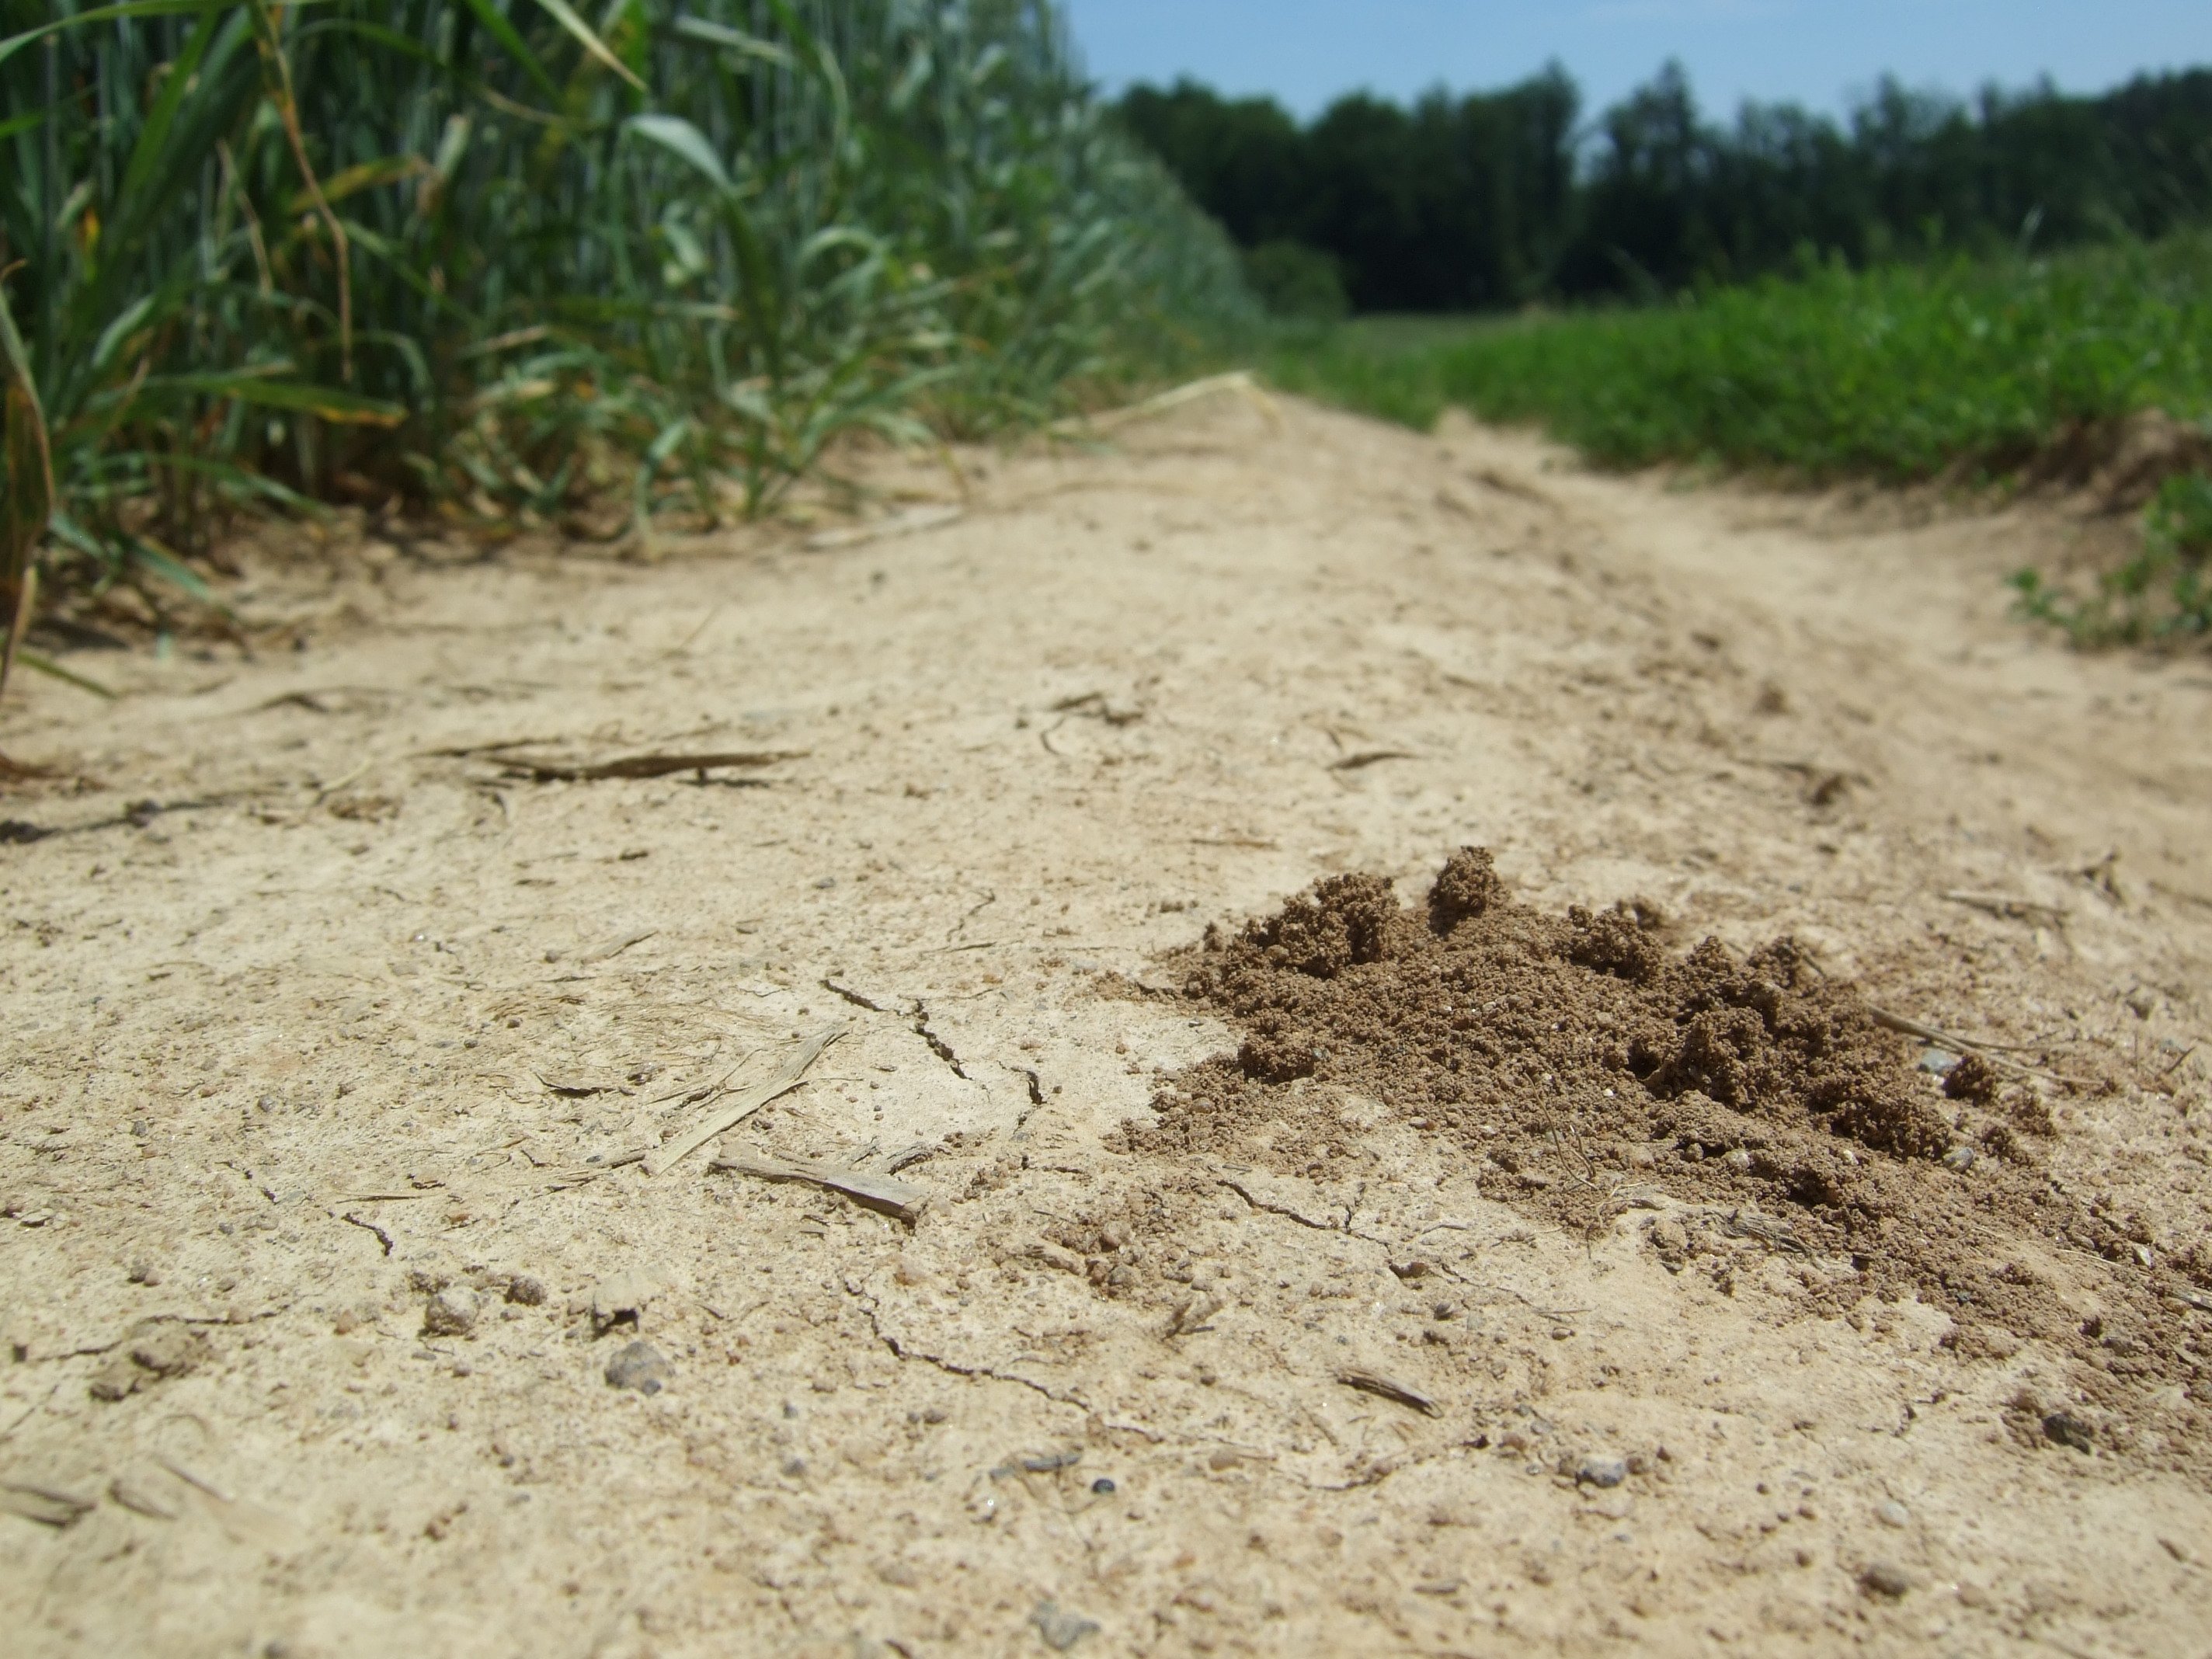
{"type": "Point", "coordinates": [29, 474]}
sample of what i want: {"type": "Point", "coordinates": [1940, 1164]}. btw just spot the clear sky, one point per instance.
{"type": "Point", "coordinates": [1817, 52]}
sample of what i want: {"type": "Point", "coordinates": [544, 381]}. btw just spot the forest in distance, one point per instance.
{"type": "Point", "coordinates": [1496, 199]}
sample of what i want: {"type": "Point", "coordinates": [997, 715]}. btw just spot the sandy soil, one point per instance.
{"type": "Point", "coordinates": [365, 1013]}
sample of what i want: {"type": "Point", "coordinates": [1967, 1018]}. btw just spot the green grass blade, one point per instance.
{"type": "Point", "coordinates": [43, 664]}
{"type": "Point", "coordinates": [495, 23]}
{"type": "Point", "coordinates": [565, 15]}
{"type": "Point", "coordinates": [732, 39]}
{"type": "Point", "coordinates": [326, 402]}
{"type": "Point", "coordinates": [147, 156]}
{"type": "Point", "coordinates": [686, 142]}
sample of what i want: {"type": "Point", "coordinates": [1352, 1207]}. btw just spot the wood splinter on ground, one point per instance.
{"type": "Point", "coordinates": [660, 763]}
{"type": "Point", "coordinates": [43, 1502]}
{"type": "Point", "coordinates": [2008, 907]}
{"type": "Point", "coordinates": [898, 1198]}
{"type": "Point", "coordinates": [1191, 1315]}
{"type": "Point", "coordinates": [1389, 1387]}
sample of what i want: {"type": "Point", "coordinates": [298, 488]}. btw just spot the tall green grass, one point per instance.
{"type": "Point", "coordinates": [1976, 371]}
{"type": "Point", "coordinates": [516, 264]}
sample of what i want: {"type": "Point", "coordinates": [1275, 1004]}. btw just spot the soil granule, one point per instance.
{"type": "Point", "coordinates": [1587, 1069]}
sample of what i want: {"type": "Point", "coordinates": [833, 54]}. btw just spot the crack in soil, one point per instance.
{"type": "Point", "coordinates": [937, 1045]}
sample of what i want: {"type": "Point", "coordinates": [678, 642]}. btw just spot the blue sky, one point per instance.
{"type": "Point", "coordinates": [1817, 52]}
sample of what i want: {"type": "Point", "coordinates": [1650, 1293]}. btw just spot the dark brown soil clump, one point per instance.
{"type": "Point", "coordinates": [1580, 1064]}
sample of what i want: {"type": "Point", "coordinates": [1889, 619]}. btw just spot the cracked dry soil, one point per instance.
{"type": "Point", "coordinates": [1309, 1254]}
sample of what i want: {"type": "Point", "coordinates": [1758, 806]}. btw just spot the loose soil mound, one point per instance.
{"type": "Point", "coordinates": [1588, 1069]}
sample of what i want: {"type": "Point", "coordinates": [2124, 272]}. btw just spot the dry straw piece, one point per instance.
{"type": "Point", "coordinates": [899, 1199]}
{"type": "Point", "coordinates": [744, 1104]}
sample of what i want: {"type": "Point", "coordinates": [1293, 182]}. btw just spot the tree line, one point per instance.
{"type": "Point", "coordinates": [1501, 198]}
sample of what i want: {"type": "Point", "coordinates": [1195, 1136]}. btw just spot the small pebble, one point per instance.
{"type": "Point", "coordinates": [1958, 1157]}
{"type": "Point", "coordinates": [1061, 1629]}
{"type": "Point", "coordinates": [525, 1290]}
{"type": "Point", "coordinates": [452, 1312]}
{"type": "Point", "coordinates": [1884, 1578]}
{"type": "Point", "coordinates": [1102, 1486]}
{"type": "Point", "coordinates": [639, 1365]}
{"type": "Point", "coordinates": [2064, 1429]}
{"type": "Point", "coordinates": [1892, 1514]}
{"type": "Point", "coordinates": [1739, 1160]}
{"type": "Point", "coordinates": [1607, 1472]}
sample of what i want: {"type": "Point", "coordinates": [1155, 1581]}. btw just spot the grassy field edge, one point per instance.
{"type": "Point", "coordinates": [1990, 375]}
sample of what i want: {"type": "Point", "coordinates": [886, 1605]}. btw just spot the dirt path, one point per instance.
{"type": "Point", "coordinates": [369, 1013]}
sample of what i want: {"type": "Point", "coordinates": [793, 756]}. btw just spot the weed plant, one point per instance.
{"type": "Point", "coordinates": [2162, 594]}
{"type": "Point", "coordinates": [522, 266]}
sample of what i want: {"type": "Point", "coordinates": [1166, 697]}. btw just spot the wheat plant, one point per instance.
{"type": "Point", "coordinates": [520, 264]}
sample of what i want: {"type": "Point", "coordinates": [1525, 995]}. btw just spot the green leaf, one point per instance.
{"type": "Point", "coordinates": [685, 142]}
{"type": "Point", "coordinates": [154, 137]}
{"type": "Point", "coordinates": [737, 40]}
{"type": "Point", "coordinates": [127, 323]}
{"type": "Point", "coordinates": [330, 404]}
{"type": "Point", "coordinates": [45, 665]}
{"type": "Point", "coordinates": [565, 15]}
{"type": "Point", "coordinates": [511, 41]}
{"type": "Point", "coordinates": [364, 175]}
{"type": "Point", "coordinates": [667, 443]}
{"type": "Point", "coordinates": [69, 531]}
{"type": "Point", "coordinates": [763, 305]}
{"type": "Point", "coordinates": [170, 569]}
{"type": "Point", "coordinates": [244, 481]}
{"type": "Point", "coordinates": [16, 43]}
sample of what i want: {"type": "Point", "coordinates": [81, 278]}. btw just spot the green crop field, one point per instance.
{"type": "Point", "coordinates": [493, 259]}
{"type": "Point", "coordinates": [1974, 370]}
